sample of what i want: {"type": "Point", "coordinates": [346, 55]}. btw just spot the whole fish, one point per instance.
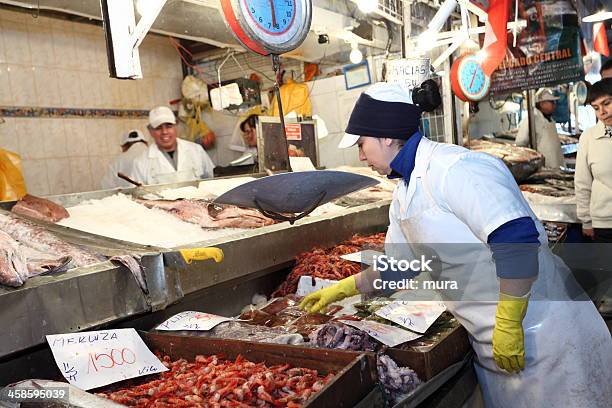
{"type": "Point", "coordinates": [44, 241]}
{"type": "Point", "coordinates": [208, 215]}
{"type": "Point", "coordinates": [13, 267]}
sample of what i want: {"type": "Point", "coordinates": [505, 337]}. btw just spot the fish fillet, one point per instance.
{"type": "Point", "coordinates": [40, 209]}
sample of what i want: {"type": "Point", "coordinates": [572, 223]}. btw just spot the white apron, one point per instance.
{"type": "Point", "coordinates": [154, 168]}
{"type": "Point", "coordinates": [547, 139]}
{"type": "Point", "coordinates": [568, 349]}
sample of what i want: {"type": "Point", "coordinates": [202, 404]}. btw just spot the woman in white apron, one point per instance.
{"type": "Point", "coordinates": [538, 342]}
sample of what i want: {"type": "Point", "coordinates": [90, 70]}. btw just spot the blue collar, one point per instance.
{"type": "Point", "coordinates": [403, 164]}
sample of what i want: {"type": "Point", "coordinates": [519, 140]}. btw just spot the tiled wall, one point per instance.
{"type": "Point", "coordinates": [55, 63]}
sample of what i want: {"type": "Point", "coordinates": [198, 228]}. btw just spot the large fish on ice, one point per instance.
{"type": "Point", "coordinates": [209, 215]}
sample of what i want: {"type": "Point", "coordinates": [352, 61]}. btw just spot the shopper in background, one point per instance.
{"type": "Point", "coordinates": [132, 146]}
{"type": "Point", "coordinates": [535, 346]}
{"type": "Point", "coordinates": [170, 160]}
{"type": "Point", "coordinates": [546, 136]}
{"type": "Point", "coordinates": [593, 179]}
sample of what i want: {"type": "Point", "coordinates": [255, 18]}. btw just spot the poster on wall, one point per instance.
{"type": "Point", "coordinates": [547, 51]}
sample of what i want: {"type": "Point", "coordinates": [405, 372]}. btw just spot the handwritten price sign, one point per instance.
{"type": "Point", "coordinates": [93, 359]}
{"type": "Point", "coordinates": [192, 321]}
{"type": "Point", "coordinates": [389, 335]}
{"type": "Point", "coordinates": [413, 315]}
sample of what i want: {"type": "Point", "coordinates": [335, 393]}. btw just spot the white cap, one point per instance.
{"type": "Point", "coordinates": [132, 136]}
{"type": "Point", "coordinates": [382, 91]}
{"type": "Point", "coordinates": [161, 115]}
{"type": "Point", "coordinates": [545, 94]}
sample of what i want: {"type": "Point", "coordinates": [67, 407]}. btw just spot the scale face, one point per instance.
{"type": "Point", "coordinates": [269, 26]}
{"type": "Point", "coordinates": [581, 91]}
{"type": "Point", "coordinates": [468, 80]}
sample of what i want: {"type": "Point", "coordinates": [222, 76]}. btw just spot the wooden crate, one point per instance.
{"type": "Point", "coordinates": [354, 379]}
{"type": "Point", "coordinates": [450, 349]}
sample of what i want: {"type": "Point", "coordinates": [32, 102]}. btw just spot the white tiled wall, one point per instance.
{"type": "Point", "coordinates": [55, 63]}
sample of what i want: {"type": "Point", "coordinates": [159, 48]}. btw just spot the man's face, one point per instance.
{"type": "Point", "coordinates": [250, 137]}
{"type": "Point", "coordinates": [378, 153]}
{"type": "Point", "coordinates": [547, 107]}
{"type": "Point", "coordinates": [603, 109]}
{"type": "Point", "coordinates": [164, 136]}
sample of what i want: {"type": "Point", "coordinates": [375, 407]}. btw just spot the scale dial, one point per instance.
{"type": "Point", "coordinates": [468, 80]}
{"type": "Point", "coordinates": [269, 26]}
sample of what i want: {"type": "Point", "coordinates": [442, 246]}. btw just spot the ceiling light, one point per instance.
{"type": "Point", "coordinates": [356, 56]}
{"type": "Point", "coordinates": [597, 17]}
{"type": "Point", "coordinates": [367, 6]}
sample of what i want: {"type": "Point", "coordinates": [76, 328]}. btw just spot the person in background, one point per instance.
{"type": "Point", "coordinates": [593, 179]}
{"type": "Point", "coordinates": [244, 139]}
{"type": "Point", "coordinates": [132, 146]}
{"type": "Point", "coordinates": [248, 127]}
{"type": "Point", "coordinates": [535, 345]}
{"type": "Point", "coordinates": [546, 137]}
{"type": "Point", "coordinates": [606, 69]}
{"type": "Point", "coordinates": [170, 160]}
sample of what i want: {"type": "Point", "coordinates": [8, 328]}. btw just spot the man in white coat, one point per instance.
{"type": "Point", "coordinates": [170, 160]}
{"type": "Point", "coordinates": [539, 341]}
{"type": "Point", "coordinates": [132, 146]}
{"type": "Point", "coordinates": [546, 136]}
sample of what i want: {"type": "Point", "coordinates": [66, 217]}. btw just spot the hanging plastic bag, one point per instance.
{"type": "Point", "coordinates": [12, 183]}
{"type": "Point", "coordinates": [198, 131]}
{"type": "Point", "coordinates": [295, 98]}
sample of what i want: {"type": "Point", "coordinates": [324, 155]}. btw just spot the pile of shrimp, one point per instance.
{"type": "Point", "coordinates": [211, 381]}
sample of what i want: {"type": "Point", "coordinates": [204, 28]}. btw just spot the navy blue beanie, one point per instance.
{"type": "Point", "coordinates": [375, 118]}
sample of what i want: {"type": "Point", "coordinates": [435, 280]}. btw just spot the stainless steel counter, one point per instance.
{"type": "Point", "coordinates": [85, 298]}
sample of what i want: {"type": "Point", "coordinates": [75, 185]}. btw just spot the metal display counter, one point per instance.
{"type": "Point", "coordinates": [104, 294]}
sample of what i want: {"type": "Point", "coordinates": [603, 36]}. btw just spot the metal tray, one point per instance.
{"type": "Point", "coordinates": [353, 381]}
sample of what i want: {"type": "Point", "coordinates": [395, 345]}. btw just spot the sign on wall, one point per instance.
{"type": "Point", "coordinates": [547, 51]}
{"type": "Point", "coordinates": [410, 72]}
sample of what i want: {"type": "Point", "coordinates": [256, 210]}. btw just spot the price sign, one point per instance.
{"type": "Point", "coordinates": [366, 257]}
{"type": "Point", "coordinates": [409, 72]}
{"type": "Point", "coordinates": [389, 335]}
{"type": "Point", "coordinates": [293, 131]}
{"type": "Point", "coordinates": [306, 286]}
{"type": "Point", "coordinates": [191, 320]}
{"type": "Point", "coordinates": [96, 358]}
{"type": "Point", "coordinates": [417, 316]}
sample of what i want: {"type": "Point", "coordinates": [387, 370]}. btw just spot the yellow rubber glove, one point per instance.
{"type": "Point", "coordinates": [508, 337]}
{"type": "Point", "coordinates": [317, 301]}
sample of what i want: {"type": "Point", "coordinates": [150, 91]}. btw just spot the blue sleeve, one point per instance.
{"type": "Point", "coordinates": [515, 249]}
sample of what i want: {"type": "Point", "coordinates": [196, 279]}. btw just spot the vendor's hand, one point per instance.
{"type": "Point", "coordinates": [508, 337]}
{"type": "Point", "coordinates": [318, 300]}
{"type": "Point", "coordinates": [588, 232]}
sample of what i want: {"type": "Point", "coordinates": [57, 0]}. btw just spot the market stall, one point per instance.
{"type": "Point", "coordinates": [254, 290]}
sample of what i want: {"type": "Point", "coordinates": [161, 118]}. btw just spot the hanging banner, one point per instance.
{"type": "Point", "coordinates": [547, 51]}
